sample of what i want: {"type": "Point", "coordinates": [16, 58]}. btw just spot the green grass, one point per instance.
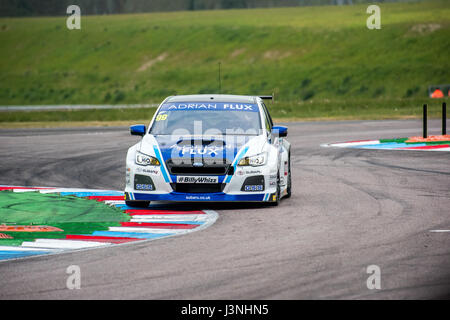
{"type": "Point", "coordinates": [321, 62]}
{"type": "Point", "coordinates": [320, 109]}
{"type": "Point", "coordinates": [78, 115]}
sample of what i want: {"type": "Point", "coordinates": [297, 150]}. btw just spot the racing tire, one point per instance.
{"type": "Point", "coordinates": [137, 204]}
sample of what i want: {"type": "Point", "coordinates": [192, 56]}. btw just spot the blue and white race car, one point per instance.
{"type": "Point", "coordinates": [209, 148]}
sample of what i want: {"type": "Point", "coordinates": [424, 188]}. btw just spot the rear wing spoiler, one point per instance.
{"type": "Point", "coordinates": [267, 97]}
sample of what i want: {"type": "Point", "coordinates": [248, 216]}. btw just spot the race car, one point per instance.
{"type": "Point", "coordinates": [209, 148]}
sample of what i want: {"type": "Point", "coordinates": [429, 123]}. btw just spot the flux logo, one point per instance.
{"type": "Point", "coordinates": [73, 22]}
{"type": "Point", "coordinates": [200, 150]}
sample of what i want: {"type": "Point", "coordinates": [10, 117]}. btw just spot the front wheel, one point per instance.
{"type": "Point", "coordinates": [137, 204]}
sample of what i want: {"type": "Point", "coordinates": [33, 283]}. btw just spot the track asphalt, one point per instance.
{"type": "Point", "coordinates": [350, 208]}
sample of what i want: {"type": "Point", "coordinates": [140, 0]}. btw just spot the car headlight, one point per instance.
{"type": "Point", "coordinates": [254, 161]}
{"type": "Point", "coordinates": [145, 160]}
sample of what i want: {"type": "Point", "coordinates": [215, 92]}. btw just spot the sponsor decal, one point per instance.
{"type": "Point", "coordinates": [210, 106]}
{"type": "Point", "coordinates": [198, 198]}
{"type": "Point", "coordinates": [244, 107]}
{"type": "Point", "coordinates": [248, 172]}
{"type": "Point", "coordinates": [148, 171]}
{"type": "Point", "coordinates": [127, 176]}
{"type": "Point", "coordinates": [197, 164]}
{"type": "Point", "coordinates": [254, 188]}
{"type": "Point", "coordinates": [253, 172]}
{"type": "Point", "coordinates": [203, 150]}
{"type": "Point", "coordinates": [197, 179]}
{"type": "Point", "coordinates": [189, 106]}
{"type": "Point", "coordinates": [144, 186]}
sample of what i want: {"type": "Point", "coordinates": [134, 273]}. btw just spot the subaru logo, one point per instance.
{"type": "Point", "coordinates": [197, 164]}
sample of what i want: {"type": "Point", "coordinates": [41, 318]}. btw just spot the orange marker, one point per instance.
{"type": "Point", "coordinates": [29, 228]}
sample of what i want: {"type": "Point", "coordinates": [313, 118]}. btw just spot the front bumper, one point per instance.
{"type": "Point", "coordinates": [231, 190]}
{"type": "Point", "coordinates": [200, 197]}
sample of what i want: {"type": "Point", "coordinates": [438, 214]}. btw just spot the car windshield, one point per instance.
{"type": "Point", "coordinates": [207, 119]}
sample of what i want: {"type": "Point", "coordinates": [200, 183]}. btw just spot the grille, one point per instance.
{"type": "Point", "coordinates": [197, 187]}
{"type": "Point", "coordinates": [207, 169]}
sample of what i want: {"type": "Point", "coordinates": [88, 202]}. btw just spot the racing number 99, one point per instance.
{"type": "Point", "coordinates": [161, 117]}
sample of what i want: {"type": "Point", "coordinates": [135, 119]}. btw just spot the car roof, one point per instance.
{"type": "Point", "coordinates": [212, 97]}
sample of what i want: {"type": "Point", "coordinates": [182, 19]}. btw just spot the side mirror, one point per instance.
{"type": "Point", "coordinates": [138, 130]}
{"type": "Point", "coordinates": [280, 131]}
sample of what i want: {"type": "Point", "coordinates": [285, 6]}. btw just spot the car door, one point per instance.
{"type": "Point", "coordinates": [275, 141]}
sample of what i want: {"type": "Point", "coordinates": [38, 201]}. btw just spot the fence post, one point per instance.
{"type": "Point", "coordinates": [444, 118]}
{"type": "Point", "coordinates": [425, 133]}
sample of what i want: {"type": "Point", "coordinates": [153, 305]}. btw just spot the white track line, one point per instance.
{"type": "Point", "coordinates": [172, 217]}
{"type": "Point", "coordinates": [57, 190]}
{"type": "Point", "coordinates": [17, 248]}
{"type": "Point", "coordinates": [194, 222]}
{"type": "Point", "coordinates": [25, 190]}
{"type": "Point", "coordinates": [113, 202]}
{"type": "Point", "coordinates": [349, 144]}
{"type": "Point", "coordinates": [147, 230]}
{"type": "Point", "coordinates": [63, 244]}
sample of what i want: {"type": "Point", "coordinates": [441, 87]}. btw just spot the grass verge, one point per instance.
{"type": "Point", "coordinates": [301, 54]}
{"type": "Point", "coordinates": [312, 110]}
